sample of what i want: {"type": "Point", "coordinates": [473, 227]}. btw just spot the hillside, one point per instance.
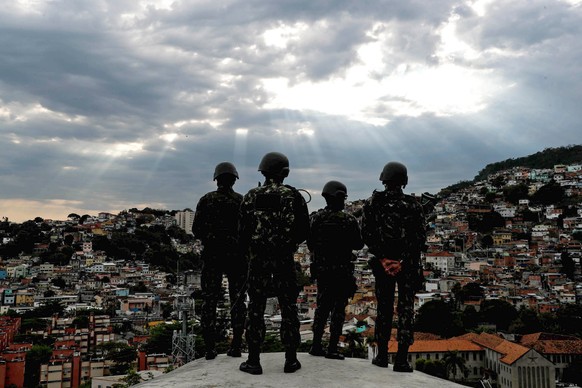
{"type": "Point", "coordinates": [547, 158]}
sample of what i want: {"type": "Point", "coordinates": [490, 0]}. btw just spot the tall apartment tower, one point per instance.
{"type": "Point", "coordinates": [185, 220]}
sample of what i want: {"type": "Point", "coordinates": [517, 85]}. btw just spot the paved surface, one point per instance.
{"type": "Point", "coordinates": [315, 372]}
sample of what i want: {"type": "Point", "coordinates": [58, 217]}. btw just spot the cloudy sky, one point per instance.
{"type": "Point", "coordinates": [107, 105]}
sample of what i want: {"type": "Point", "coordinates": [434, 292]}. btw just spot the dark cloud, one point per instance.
{"type": "Point", "coordinates": [110, 105]}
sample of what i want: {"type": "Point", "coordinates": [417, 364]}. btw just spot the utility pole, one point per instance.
{"type": "Point", "coordinates": [183, 341]}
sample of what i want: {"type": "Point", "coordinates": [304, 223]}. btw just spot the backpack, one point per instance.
{"type": "Point", "coordinates": [280, 217]}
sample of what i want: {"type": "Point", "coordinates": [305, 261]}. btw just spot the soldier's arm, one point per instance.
{"type": "Point", "coordinates": [244, 226]}
{"type": "Point", "coordinates": [355, 235]}
{"type": "Point", "coordinates": [200, 220]}
{"type": "Point", "coordinates": [369, 227]}
{"type": "Point", "coordinates": [311, 236]}
{"type": "Point", "coordinates": [301, 219]}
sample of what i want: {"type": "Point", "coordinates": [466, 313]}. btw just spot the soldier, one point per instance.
{"type": "Point", "coordinates": [216, 225]}
{"type": "Point", "coordinates": [333, 234]}
{"type": "Point", "coordinates": [274, 220]}
{"type": "Point", "coordinates": [393, 230]}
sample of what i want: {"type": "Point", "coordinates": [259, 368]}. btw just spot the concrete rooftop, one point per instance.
{"type": "Point", "coordinates": [315, 372]}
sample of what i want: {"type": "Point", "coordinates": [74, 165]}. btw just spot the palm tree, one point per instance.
{"type": "Point", "coordinates": [355, 341]}
{"type": "Point", "coordinates": [454, 360]}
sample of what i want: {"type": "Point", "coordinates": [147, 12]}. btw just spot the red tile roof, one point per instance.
{"type": "Point", "coordinates": [438, 346]}
{"type": "Point", "coordinates": [547, 343]}
{"type": "Point", "coordinates": [510, 351]}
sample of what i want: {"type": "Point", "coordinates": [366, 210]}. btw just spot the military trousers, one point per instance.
{"type": "Point", "coordinates": [211, 280]}
{"type": "Point", "coordinates": [385, 295]}
{"type": "Point", "coordinates": [272, 276]}
{"type": "Point", "coordinates": [331, 303]}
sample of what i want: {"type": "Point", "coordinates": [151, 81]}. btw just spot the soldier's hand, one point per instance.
{"type": "Point", "coordinates": [391, 267]}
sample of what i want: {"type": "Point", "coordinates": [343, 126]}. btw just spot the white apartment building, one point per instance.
{"type": "Point", "coordinates": [443, 261]}
{"type": "Point", "coordinates": [185, 220]}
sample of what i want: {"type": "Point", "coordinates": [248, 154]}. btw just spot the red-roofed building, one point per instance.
{"type": "Point", "coordinates": [471, 352]}
{"type": "Point", "coordinates": [504, 363]}
{"type": "Point", "coordinates": [559, 349]}
{"type": "Point", "coordinates": [514, 365]}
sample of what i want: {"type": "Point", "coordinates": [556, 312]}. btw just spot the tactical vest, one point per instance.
{"type": "Point", "coordinates": [277, 213]}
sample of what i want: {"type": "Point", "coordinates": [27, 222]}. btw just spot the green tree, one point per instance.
{"type": "Point", "coordinates": [121, 354]}
{"type": "Point", "coordinates": [431, 367]}
{"type": "Point", "coordinates": [569, 319]}
{"type": "Point", "coordinates": [498, 312]}
{"type": "Point", "coordinates": [272, 343]}
{"type": "Point", "coordinates": [454, 362]}
{"type": "Point", "coordinates": [515, 192]}
{"type": "Point", "coordinates": [485, 222]}
{"type": "Point", "coordinates": [436, 316]}
{"type": "Point", "coordinates": [470, 318]}
{"type": "Point", "coordinates": [490, 196]}
{"type": "Point", "coordinates": [498, 181]}
{"type": "Point", "coordinates": [549, 194]}
{"type": "Point", "coordinates": [573, 373]}
{"type": "Point", "coordinates": [132, 378]}
{"type": "Point", "coordinates": [568, 265]}
{"type": "Point", "coordinates": [472, 291]}
{"type": "Point", "coordinates": [487, 241]}
{"type": "Point", "coordinates": [527, 322]}
{"type": "Point", "coordinates": [81, 322]}
{"type": "Point", "coordinates": [32, 324]}
{"type": "Point", "coordinates": [160, 340]}
{"type": "Point", "coordinates": [35, 357]}
{"type": "Point", "coordinates": [59, 282]}
{"type": "Point", "coordinates": [47, 310]}
{"type": "Point", "coordinates": [355, 343]}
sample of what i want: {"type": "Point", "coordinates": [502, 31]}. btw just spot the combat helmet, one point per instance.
{"type": "Point", "coordinates": [225, 168]}
{"type": "Point", "coordinates": [395, 172]}
{"type": "Point", "coordinates": [334, 189]}
{"type": "Point", "coordinates": [274, 163]}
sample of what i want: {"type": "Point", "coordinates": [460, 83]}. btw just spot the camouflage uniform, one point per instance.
{"type": "Point", "coordinates": [393, 228]}
{"type": "Point", "coordinates": [274, 220]}
{"type": "Point", "coordinates": [216, 225]}
{"type": "Point", "coordinates": [333, 234]}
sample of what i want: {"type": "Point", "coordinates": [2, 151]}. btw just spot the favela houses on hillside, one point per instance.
{"type": "Point", "coordinates": [102, 297]}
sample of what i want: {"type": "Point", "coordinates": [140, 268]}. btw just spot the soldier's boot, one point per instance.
{"type": "Point", "coordinates": [252, 365]}
{"type": "Point", "coordinates": [235, 345]}
{"type": "Point", "coordinates": [401, 361]}
{"type": "Point", "coordinates": [211, 354]}
{"type": "Point", "coordinates": [292, 364]}
{"type": "Point", "coordinates": [332, 352]}
{"type": "Point", "coordinates": [210, 346]}
{"type": "Point", "coordinates": [316, 347]}
{"type": "Point", "coordinates": [381, 358]}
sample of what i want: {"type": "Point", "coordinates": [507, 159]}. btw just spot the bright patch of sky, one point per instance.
{"type": "Point", "coordinates": [412, 89]}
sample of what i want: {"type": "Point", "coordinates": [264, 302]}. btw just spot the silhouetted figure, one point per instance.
{"type": "Point", "coordinates": [333, 235]}
{"type": "Point", "coordinates": [274, 220]}
{"type": "Point", "coordinates": [394, 231]}
{"type": "Point", "coordinates": [216, 225]}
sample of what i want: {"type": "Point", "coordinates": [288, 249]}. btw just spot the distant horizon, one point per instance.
{"type": "Point", "coordinates": [318, 201]}
{"type": "Point", "coordinates": [109, 105]}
